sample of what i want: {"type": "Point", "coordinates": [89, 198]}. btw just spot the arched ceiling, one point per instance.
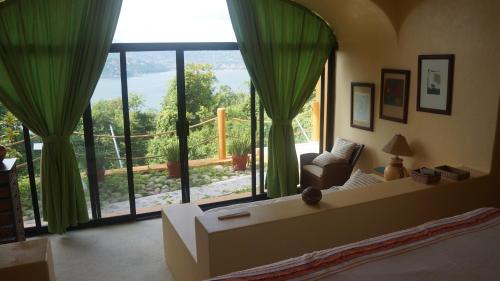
{"type": "Point", "coordinates": [362, 19]}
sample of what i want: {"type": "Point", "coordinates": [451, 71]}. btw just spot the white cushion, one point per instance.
{"type": "Point", "coordinates": [313, 169]}
{"type": "Point", "coordinates": [343, 149]}
{"type": "Point", "coordinates": [358, 179]}
{"type": "Point", "coordinates": [326, 158]}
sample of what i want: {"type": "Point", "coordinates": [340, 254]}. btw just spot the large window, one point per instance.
{"type": "Point", "coordinates": [168, 123]}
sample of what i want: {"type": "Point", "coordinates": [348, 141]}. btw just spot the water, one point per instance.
{"type": "Point", "coordinates": [154, 86]}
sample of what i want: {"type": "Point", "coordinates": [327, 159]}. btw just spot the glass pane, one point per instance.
{"type": "Point", "coordinates": [107, 118]}
{"type": "Point", "coordinates": [11, 136]}
{"type": "Point", "coordinates": [209, 21]}
{"type": "Point", "coordinates": [306, 125]}
{"type": "Point", "coordinates": [153, 115]}
{"type": "Point", "coordinates": [36, 149]}
{"type": "Point", "coordinates": [218, 111]}
{"type": "Point", "coordinates": [78, 141]}
{"type": "Point", "coordinates": [267, 125]}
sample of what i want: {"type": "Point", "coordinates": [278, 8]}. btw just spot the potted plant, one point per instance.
{"type": "Point", "coordinates": [239, 149]}
{"type": "Point", "coordinates": [100, 165]}
{"type": "Point", "coordinates": [171, 152]}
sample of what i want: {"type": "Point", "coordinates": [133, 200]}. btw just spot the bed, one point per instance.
{"type": "Point", "coordinates": [462, 247]}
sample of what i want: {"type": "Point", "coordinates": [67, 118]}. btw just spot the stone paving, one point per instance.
{"type": "Point", "coordinates": [221, 188]}
{"type": "Point", "coordinates": [226, 185]}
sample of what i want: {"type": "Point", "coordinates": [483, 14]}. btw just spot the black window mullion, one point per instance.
{"type": "Point", "coordinates": [330, 107]}
{"type": "Point", "coordinates": [322, 112]}
{"type": "Point", "coordinates": [253, 128]}
{"type": "Point", "coordinates": [88, 133]}
{"type": "Point", "coordinates": [126, 129]}
{"type": "Point", "coordinates": [182, 125]}
{"type": "Point", "coordinates": [261, 147]}
{"type": "Point", "coordinates": [31, 173]}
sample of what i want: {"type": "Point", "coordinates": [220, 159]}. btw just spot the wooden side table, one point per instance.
{"type": "Point", "coordinates": [11, 218]}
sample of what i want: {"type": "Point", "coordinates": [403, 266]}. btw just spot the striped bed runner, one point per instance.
{"type": "Point", "coordinates": [321, 264]}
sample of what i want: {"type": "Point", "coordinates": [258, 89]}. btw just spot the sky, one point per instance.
{"type": "Point", "coordinates": [174, 21]}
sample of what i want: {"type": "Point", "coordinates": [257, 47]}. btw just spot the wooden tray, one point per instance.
{"type": "Point", "coordinates": [453, 173]}
{"type": "Point", "coordinates": [425, 175]}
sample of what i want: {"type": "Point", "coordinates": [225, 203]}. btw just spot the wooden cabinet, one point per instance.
{"type": "Point", "coordinates": [11, 218]}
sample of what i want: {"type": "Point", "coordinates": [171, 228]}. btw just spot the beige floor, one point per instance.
{"type": "Point", "coordinates": [126, 252]}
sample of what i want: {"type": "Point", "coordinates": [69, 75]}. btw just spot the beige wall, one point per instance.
{"type": "Point", "coordinates": [391, 34]}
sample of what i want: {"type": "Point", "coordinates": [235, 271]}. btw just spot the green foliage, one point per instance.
{"type": "Point", "coordinates": [239, 147]}
{"type": "Point", "coordinates": [25, 196]}
{"type": "Point", "coordinates": [10, 132]}
{"type": "Point", "coordinates": [200, 80]}
{"type": "Point", "coordinates": [100, 158]}
{"type": "Point", "coordinates": [108, 114]}
{"type": "Point", "coordinates": [202, 101]}
{"type": "Point", "coordinates": [202, 142]}
{"type": "Point", "coordinates": [305, 120]}
{"type": "Point", "coordinates": [171, 152]}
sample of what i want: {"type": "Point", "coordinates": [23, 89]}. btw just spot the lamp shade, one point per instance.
{"type": "Point", "coordinates": [398, 146]}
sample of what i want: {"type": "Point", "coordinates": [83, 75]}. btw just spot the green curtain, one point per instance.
{"type": "Point", "coordinates": [285, 47]}
{"type": "Point", "coordinates": [52, 53]}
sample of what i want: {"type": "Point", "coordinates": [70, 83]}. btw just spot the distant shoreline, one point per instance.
{"type": "Point", "coordinates": [153, 86]}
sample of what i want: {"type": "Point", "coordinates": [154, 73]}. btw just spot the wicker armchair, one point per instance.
{"type": "Point", "coordinates": [334, 174]}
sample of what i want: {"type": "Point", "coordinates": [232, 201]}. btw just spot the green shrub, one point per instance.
{"type": "Point", "coordinates": [25, 196]}
{"type": "Point", "coordinates": [239, 146]}
{"type": "Point", "coordinates": [171, 151]}
{"type": "Point", "coordinates": [100, 161]}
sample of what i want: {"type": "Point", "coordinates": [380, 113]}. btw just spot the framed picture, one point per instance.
{"type": "Point", "coordinates": [394, 93]}
{"type": "Point", "coordinates": [362, 104]}
{"type": "Point", "coordinates": [435, 83]}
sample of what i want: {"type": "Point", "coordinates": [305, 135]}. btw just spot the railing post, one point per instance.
{"type": "Point", "coordinates": [315, 120]}
{"type": "Point", "coordinates": [221, 129]}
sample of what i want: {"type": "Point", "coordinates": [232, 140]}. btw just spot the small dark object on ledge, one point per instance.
{"type": "Point", "coordinates": [425, 175]}
{"type": "Point", "coordinates": [235, 215]}
{"type": "Point", "coordinates": [311, 195]}
{"type": "Point", "coordinates": [453, 173]}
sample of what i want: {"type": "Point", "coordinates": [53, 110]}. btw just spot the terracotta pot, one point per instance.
{"type": "Point", "coordinates": [239, 162]}
{"type": "Point", "coordinates": [100, 174]}
{"type": "Point", "coordinates": [3, 152]}
{"type": "Point", "coordinates": [174, 169]}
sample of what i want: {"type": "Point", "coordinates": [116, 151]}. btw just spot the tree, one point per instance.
{"type": "Point", "coordinates": [106, 113]}
{"type": "Point", "coordinates": [200, 80]}
{"type": "Point", "coordinates": [202, 100]}
{"type": "Point", "coordinates": [11, 132]}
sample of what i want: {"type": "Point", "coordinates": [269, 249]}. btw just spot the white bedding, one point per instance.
{"type": "Point", "coordinates": [464, 247]}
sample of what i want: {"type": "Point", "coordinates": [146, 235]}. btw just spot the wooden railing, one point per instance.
{"type": "Point", "coordinates": [221, 133]}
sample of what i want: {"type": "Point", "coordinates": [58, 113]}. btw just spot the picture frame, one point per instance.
{"type": "Point", "coordinates": [394, 95]}
{"type": "Point", "coordinates": [362, 105]}
{"type": "Point", "coordinates": [435, 83]}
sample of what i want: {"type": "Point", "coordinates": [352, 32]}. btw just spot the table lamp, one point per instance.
{"type": "Point", "coordinates": [397, 146]}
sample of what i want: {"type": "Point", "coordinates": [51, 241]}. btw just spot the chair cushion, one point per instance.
{"type": "Point", "coordinates": [326, 158]}
{"type": "Point", "coordinates": [313, 169]}
{"type": "Point", "coordinates": [343, 149]}
{"type": "Point", "coordinates": [358, 179]}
